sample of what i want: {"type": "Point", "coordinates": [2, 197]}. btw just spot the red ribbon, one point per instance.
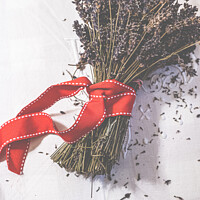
{"type": "Point", "coordinates": [106, 99]}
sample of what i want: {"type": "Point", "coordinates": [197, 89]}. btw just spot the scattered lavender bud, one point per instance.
{"type": "Point", "coordinates": [167, 182]}
{"type": "Point", "coordinates": [98, 189]}
{"type": "Point", "coordinates": [180, 198]}
{"type": "Point", "coordinates": [138, 177]}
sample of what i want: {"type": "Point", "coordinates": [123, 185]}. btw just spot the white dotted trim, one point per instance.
{"type": "Point", "coordinates": [114, 96]}
{"type": "Point", "coordinates": [98, 96]}
{"type": "Point", "coordinates": [53, 131]}
{"type": "Point", "coordinates": [24, 157]}
{"type": "Point", "coordinates": [78, 118]}
{"type": "Point", "coordinates": [71, 83]}
{"type": "Point", "coordinates": [34, 101]}
{"type": "Point", "coordinates": [119, 113]}
{"type": "Point", "coordinates": [98, 124]}
{"type": "Point", "coordinates": [25, 116]}
{"type": "Point", "coordinates": [26, 136]}
{"type": "Point", "coordinates": [37, 99]}
{"type": "Point", "coordinates": [120, 95]}
{"type": "Point", "coordinates": [8, 154]}
{"type": "Point", "coordinates": [74, 125]}
{"type": "Point", "coordinates": [120, 84]}
{"type": "Point", "coordinates": [73, 94]}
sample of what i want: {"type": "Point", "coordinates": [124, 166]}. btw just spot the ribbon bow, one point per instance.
{"type": "Point", "coordinates": [106, 99]}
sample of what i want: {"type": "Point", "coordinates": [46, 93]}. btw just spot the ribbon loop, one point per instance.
{"type": "Point", "coordinates": [109, 88]}
{"type": "Point", "coordinates": [108, 98]}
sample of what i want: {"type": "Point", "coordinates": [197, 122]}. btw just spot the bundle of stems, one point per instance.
{"type": "Point", "coordinates": [126, 40]}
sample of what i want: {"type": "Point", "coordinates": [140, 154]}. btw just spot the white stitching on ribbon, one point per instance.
{"type": "Point", "coordinates": [78, 118]}
{"type": "Point", "coordinates": [24, 136]}
{"type": "Point", "coordinates": [114, 96]}
{"type": "Point", "coordinates": [98, 124]}
{"type": "Point", "coordinates": [76, 122]}
{"type": "Point", "coordinates": [120, 84]}
{"type": "Point", "coordinates": [37, 99]}
{"type": "Point", "coordinates": [24, 157]}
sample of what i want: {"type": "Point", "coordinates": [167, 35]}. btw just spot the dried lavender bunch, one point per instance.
{"type": "Point", "coordinates": [126, 40]}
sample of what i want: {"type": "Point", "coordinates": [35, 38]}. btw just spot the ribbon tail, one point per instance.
{"type": "Point", "coordinates": [17, 151]}
{"type": "Point", "coordinates": [16, 155]}
{"type": "Point", "coordinates": [38, 124]}
{"type": "Point", "coordinates": [16, 134]}
{"type": "Point", "coordinates": [107, 99]}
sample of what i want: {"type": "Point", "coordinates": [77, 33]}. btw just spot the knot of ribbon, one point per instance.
{"type": "Point", "coordinates": [106, 99]}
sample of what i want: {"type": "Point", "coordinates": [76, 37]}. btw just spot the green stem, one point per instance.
{"type": "Point", "coordinates": [165, 58]}
{"type": "Point", "coordinates": [111, 57]}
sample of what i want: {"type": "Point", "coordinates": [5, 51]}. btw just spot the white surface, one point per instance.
{"type": "Point", "coordinates": [36, 47]}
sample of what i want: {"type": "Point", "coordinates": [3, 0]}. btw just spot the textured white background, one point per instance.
{"type": "Point", "coordinates": [36, 46]}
